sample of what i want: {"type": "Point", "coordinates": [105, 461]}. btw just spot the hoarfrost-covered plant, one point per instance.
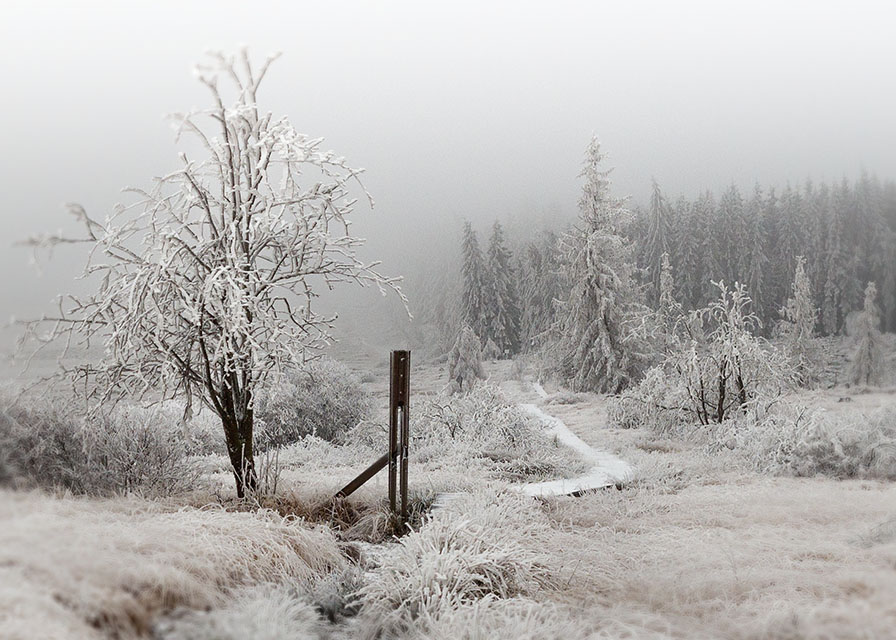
{"type": "Point", "coordinates": [868, 361]}
{"type": "Point", "coordinates": [720, 370]}
{"type": "Point", "coordinates": [797, 327]}
{"type": "Point", "coordinates": [597, 345]}
{"type": "Point", "coordinates": [465, 362]}
{"type": "Point", "coordinates": [206, 282]}
{"type": "Point", "coordinates": [726, 373]}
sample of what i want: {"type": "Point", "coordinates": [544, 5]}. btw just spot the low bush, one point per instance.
{"type": "Point", "coordinates": [132, 449]}
{"type": "Point", "coordinates": [792, 439]}
{"type": "Point", "coordinates": [323, 398]}
{"type": "Point", "coordinates": [865, 448]}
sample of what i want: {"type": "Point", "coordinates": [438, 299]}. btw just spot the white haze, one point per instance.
{"type": "Point", "coordinates": [457, 110]}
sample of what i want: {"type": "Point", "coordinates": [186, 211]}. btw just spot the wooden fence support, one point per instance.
{"type": "Point", "coordinates": [399, 436]}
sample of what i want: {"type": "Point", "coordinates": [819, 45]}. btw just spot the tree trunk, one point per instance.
{"type": "Point", "coordinates": [240, 449]}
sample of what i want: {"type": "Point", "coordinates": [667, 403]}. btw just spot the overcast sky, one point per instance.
{"type": "Point", "coordinates": [477, 110]}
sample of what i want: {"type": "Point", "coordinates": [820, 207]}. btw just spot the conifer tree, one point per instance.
{"type": "Point", "coordinates": [595, 346]}
{"type": "Point", "coordinates": [757, 263]}
{"type": "Point", "coordinates": [465, 362]}
{"type": "Point", "coordinates": [669, 310]}
{"type": "Point", "coordinates": [731, 237]}
{"type": "Point", "coordinates": [474, 277]}
{"type": "Point", "coordinates": [540, 284]}
{"type": "Point", "coordinates": [707, 228]}
{"type": "Point", "coordinates": [797, 326]}
{"type": "Point", "coordinates": [502, 304]}
{"type": "Point", "coordinates": [656, 242]}
{"type": "Point", "coordinates": [837, 265]}
{"type": "Point", "coordinates": [687, 255]}
{"type": "Point", "coordinates": [867, 365]}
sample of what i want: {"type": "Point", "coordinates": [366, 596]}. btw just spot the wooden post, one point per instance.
{"type": "Point", "coordinates": [399, 437]}
{"type": "Point", "coordinates": [399, 394]}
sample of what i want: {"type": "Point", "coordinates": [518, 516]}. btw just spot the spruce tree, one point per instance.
{"type": "Point", "coordinates": [465, 362]}
{"type": "Point", "coordinates": [868, 360]}
{"type": "Point", "coordinates": [656, 243]}
{"type": "Point", "coordinates": [705, 216]}
{"type": "Point", "coordinates": [687, 257]}
{"type": "Point", "coordinates": [502, 304]}
{"type": "Point", "coordinates": [595, 349]}
{"type": "Point", "coordinates": [731, 242]}
{"type": "Point", "coordinates": [757, 264]}
{"type": "Point", "coordinates": [540, 285]}
{"type": "Point", "coordinates": [797, 326]}
{"type": "Point", "coordinates": [474, 279]}
{"type": "Point", "coordinates": [669, 310]}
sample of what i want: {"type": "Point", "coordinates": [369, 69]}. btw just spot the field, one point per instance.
{"type": "Point", "coordinates": [697, 544]}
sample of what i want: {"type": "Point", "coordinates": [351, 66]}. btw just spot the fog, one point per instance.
{"type": "Point", "coordinates": [456, 111]}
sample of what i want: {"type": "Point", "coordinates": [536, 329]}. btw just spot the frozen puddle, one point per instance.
{"type": "Point", "coordinates": [606, 471]}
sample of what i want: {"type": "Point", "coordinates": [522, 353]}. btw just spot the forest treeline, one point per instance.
{"type": "Point", "coordinates": [846, 231]}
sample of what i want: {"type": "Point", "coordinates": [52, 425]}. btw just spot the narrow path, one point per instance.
{"type": "Point", "coordinates": [607, 470]}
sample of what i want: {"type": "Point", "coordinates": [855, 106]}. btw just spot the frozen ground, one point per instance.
{"type": "Point", "coordinates": [692, 546]}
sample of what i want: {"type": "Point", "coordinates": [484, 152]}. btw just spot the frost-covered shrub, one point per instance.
{"type": "Point", "coordinates": [131, 449]}
{"type": "Point", "coordinates": [479, 547]}
{"type": "Point", "coordinates": [137, 449]}
{"type": "Point", "coordinates": [792, 439]}
{"type": "Point", "coordinates": [40, 446]}
{"type": "Point", "coordinates": [865, 448]}
{"type": "Point", "coordinates": [322, 397]}
{"type": "Point", "coordinates": [658, 403]}
{"type": "Point", "coordinates": [722, 371]}
{"type": "Point", "coordinates": [485, 428]}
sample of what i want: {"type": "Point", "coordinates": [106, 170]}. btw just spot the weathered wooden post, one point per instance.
{"type": "Point", "coordinates": [399, 436]}
{"type": "Point", "coordinates": [399, 394]}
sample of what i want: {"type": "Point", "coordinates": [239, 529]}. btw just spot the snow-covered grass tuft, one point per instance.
{"type": "Point", "coordinates": [266, 612]}
{"type": "Point", "coordinates": [114, 566]}
{"type": "Point", "coordinates": [518, 618]}
{"type": "Point", "coordinates": [478, 547]}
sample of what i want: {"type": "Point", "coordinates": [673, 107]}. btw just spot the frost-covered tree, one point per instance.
{"type": "Point", "coordinates": [725, 371]}
{"type": "Point", "coordinates": [669, 310]}
{"type": "Point", "coordinates": [720, 370]}
{"type": "Point", "coordinates": [205, 285]}
{"type": "Point", "coordinates": [688, 262]}
{"type": "Point", "coordinates": [757, 260]}
{"type": "Point", "coordinates": [539, 289]}
{"type": "Point", "coordinates": [867, 365]}
{"type": "Point", "coordinates": [465, 362]}
{"type": "Point", "coordinates": [656, 242]}
{"type": "Point", "coordinates": [502, 303]}
{"type": "Point", "coordinates": [596, 344]}
{"type": "Point", "coordinates": [473, 270]}
{"type": "Point", "coordinates": [797, 326]}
